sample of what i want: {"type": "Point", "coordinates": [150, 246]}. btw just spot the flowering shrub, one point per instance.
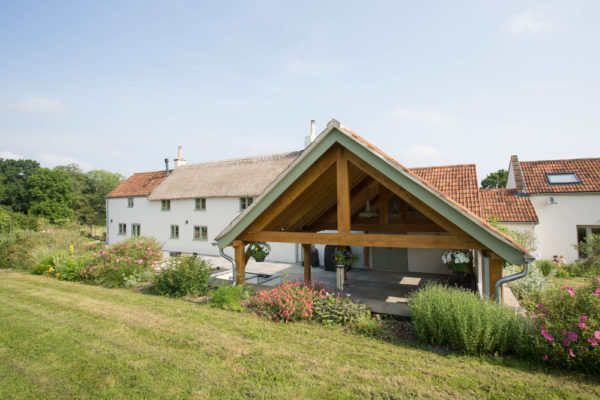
{"type": "Point", "coordinates": [113, 265]}
{"type": "Point", "coordinates": [457, 260]}
{"type": "Point", "coordinates": [259, 250]}
{"type": "Point", "coordinates": [290, 301]}
{"type": "Point", "coordinates": [183, 275]}
{"type": "Point", "coordinates": [568, 322]}
{"type": "Point", "coordinates": [461, 320]}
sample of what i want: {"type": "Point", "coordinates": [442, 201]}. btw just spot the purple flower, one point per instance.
{"type": "Point", "coordinates": [565, 342]}
{"type": "Point", "coordinates": [545, 358]}
{"type": "Point", "coordinates": [572, 336]}
{"type": "Point", "coordinates": [597, 335]}
{"type": "Point", "coordinates": [583, 318]}
{"type": "Point", "coordinates": [594, 342]}
{"type": "Point", "coordinates": [547, 335]}
{"type": "Point", "coordinates": [564, 332]}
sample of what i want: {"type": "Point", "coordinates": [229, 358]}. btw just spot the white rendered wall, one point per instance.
{"type": "Point", "coordinates": [556, 232]}
{"type": "Point", "coordinates": [156, 223]}
{"type": "Point", "coordinates": [427, 261]}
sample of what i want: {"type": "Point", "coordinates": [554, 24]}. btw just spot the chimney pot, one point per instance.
{"type": "Point", "coordinates": [179, 160]}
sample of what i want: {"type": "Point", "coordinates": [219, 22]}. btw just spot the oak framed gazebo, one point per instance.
{"type": "Point", "coordinates": [318, 199]}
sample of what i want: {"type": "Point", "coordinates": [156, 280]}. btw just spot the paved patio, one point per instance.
{"type": "Point", "coordinates": [382, 292]}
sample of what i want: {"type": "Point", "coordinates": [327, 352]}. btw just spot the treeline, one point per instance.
{"type": "Point", "coordinates": [59, 194]}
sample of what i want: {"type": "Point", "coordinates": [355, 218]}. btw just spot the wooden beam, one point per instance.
{"type": "Point", "coordinates": [302, 183]}
{"type": "Point", "coordinates": [343, 193]}
{"type": "Point", "coordinates": [362, 239]}
{"type": "Point", "coordinates": [383, 204]}
{"type": "Point", "coordinates": [240, 262]}
{"type": "Point", "coordinates": [307, 271]}
{"type": "Point", "coordinates": [362, 224]}
{"type": "Point", "coordinates": [405, 195]}
{"type": "Point", "coordinates": [496, 268]}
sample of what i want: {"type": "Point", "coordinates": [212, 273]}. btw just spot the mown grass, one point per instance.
{"type": "Point", "coordinates": [67, 340]}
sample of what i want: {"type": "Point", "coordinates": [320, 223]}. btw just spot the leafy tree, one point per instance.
{"type": "Point", "coordinates": [495, 180]}
{"type": "Point", "coordinates": [50, 194]}
{"type": "Point", "coordinates": [100, 183]}
{"type": "Point", "coordinates": [14, 174]}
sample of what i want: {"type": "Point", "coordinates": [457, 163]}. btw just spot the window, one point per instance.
{"type": "Point", "coordinates": [122, 229]}
{"type": "Point", "coordinates": [200, 233]}
{"type": "Point", "coordinates": [174, 231]}
{"type": "Point", "coordinates": [200, 204]}
{"type": "Point", "coordinates": [130, 202]}
{"type": "Point", "coordinates": [562, 179]}
{"type": "Point", "coordinates": [245, 202]}
{"type": "Point", "coordinates": [583, 232]}
{"type": "Point", "coordinates": [165, 205]}
{"type": "Point", "coordinates": [135, 229]}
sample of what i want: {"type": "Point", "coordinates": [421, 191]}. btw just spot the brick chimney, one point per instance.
{"type": "Point", "coordinates": [518, 174]}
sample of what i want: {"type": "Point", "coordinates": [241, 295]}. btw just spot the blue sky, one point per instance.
{"type": "Point", "coordinates": [118, 85]}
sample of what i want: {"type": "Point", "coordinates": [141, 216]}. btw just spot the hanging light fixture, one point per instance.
{"type": "Point", "coordinates": [367, 213]}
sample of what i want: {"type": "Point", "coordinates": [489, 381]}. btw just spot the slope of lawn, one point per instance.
{"type": "Point", "coordinates": [69, 340]}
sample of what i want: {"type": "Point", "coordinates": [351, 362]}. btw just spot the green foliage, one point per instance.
{"type": "Point", "coordinates": [461, 320]}
{"type": "Point", "coordinates": [11, 221]}
{"type": "Point", "coordinates": [585, 268]}
{"type": "Point", "coordinates": [547, 267]}
{"type": "Point", "coordinates": [230, 297]}
{"type": "Point", "coordinates": [13, 175]}
{"type": "Point", "coordinates": [338, 310]}
{"type": "Point", "coordinates": [529, 288]}
{"type": "Point", "coordinates": [259, 250]}
{"type": "Point", "coordinates": [495, 179]}
{"type": "Point", "coordinates": [123, 263]}
{"type": "Point", "coordinates": [568, 322]}
{"type": "Point", "coordinates": [182, 276]}
{"type": "Point", "coordinates": [343, 255]}
{"type": "Point", "coordinates": [525, 239]}
{"type": "Point", "coordinates": [50, 195]}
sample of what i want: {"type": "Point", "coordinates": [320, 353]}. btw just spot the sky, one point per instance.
{"type": "Point", "coordinates": [118, 85]}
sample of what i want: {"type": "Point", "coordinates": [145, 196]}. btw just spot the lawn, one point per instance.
{"type": "Point", "coordinates": [69, 340]}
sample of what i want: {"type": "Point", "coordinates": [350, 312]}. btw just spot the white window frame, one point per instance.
{"type": "Point", "coordinates": [165, 205]}
{"type": "Point", "coordinates": [558, 175]}
{"type": "Point", "coordinates": [130, 202]}
{"type": "Point", "coordinates": [136, 229]}
{"type": "Point", "coordinates": [122, 229]}
{"type": "Point", "coordinates": [200, 201]}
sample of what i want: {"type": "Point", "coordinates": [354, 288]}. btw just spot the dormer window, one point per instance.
{"type": "Point", "coordinates": [569, 178]}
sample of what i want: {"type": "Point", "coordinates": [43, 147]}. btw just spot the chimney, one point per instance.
{"type": "Point", "coordinates": [179, 160]}
{"type": "Point", "coordinates": [518, 174]}
{"type": "Point", "coordinates": [166, 167]}
{"type": "Point", "coordinates": [309, 139]}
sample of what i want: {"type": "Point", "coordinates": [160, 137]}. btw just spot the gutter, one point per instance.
{"type": "Point", "coordinates": [231, 260]}
{"type": "Point", "coordinates": [497, 286]}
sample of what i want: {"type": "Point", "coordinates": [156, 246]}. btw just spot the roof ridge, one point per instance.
{"type": "Point", "coordinates": [240, 160]}
{"type": "Point", "coordinates": [448, 165]}
{"type": "Point", "coordinates": [563, 159]}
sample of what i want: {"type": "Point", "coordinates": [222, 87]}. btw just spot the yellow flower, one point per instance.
{"type": "Point", "coordinates": [71, 249]}
{"type": "Point", "coordinates": [57, 275]}
{"type": "Point", "coordinates": [51, 269]}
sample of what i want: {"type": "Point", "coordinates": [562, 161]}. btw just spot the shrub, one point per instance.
{"type": "Point", "coordinates": [461, 320]}
{"type": "Point", "coordinates": [546, 267]}
{"type": "Point", "coordinates": [230, 297]}
{"type": "Point", "coordinates": [568, 323]}
{"type": "Point", "coordinates": [331, 309]}
{"type": "Point", "coordinates": [529, 288]}
{"type": "Point", "coordinates": [586, 268]}
{"type": "Point", "coordinates": [181, 276]}
{"type": "Point", "coordinates": [290, 301]}
{"type": "Point", "coordinates": [123, 263]}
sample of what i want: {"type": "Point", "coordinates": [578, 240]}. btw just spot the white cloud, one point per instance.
{"type": "Point", "coordinates": [53, 160]}
{"type": "Point", "coordinates": [528, 22]}
{"type": "Point", "coordinates": [40, 105]}
{"type": "Point", "coordinates": [419, 154]}
{"type": "Point", "coordinates": [8, 155]}
{"type": "Point", "coordinates": [425, 116]}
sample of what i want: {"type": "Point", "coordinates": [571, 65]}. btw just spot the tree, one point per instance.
{"type": "Point", "coordinates": [100, 183]}
{"type": "Point", "coordinates": [14, 174]}
{"type": "Point", "coordinates": [495, 180]}
{"type": "Point", "coordinates": [50, 194]}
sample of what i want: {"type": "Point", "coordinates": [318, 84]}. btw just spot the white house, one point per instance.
{"type": "Point", "coordinates": [566, 197]}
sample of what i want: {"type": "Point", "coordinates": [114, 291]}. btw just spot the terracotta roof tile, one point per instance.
{"type": "Point", "coordinates": [505, 206]}
{"type": "Point", "coordinates": [140, 184]}
{"type": "Point", "coordinates": [586, 169]}
{"type": "Point", "coordinates": [459, 182]}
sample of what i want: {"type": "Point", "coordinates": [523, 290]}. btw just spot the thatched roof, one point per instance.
{"type": "Point", "coordinates": [239, 177]}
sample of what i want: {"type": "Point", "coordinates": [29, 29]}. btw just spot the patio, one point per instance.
{"type": "Point", "coordinates": [381, 291]}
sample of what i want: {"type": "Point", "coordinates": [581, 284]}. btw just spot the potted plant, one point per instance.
{"type": "Point", "coordinates": [259, 251]}
{"type": "Point", "coordinates": [459, 263]}
{"type": "Point", "coordinates": [343, 256]}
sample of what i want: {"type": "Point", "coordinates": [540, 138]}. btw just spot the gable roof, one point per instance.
{"type": "Point", "coordinates": [459, 182]}
{"type": "Point", "coordinates": [454, 212]}
{"type": "Point", "coordinates": [139, 184]}
{"type": "Point", "coordinates": [506, 206]}
{"type": "Point", "coordinates": [586, 169]}
{"type": "Point", "coordinates": [239, 177]}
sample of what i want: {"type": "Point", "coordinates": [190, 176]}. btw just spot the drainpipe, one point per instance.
{"type": "Point", "coordinates": [231, 260]}
{"type": "Point", "coordinates": [510, 278]}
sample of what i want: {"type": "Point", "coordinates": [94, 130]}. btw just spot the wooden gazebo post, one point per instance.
{"type": "Point", "coordinates": [307, 271]}
{"type": "Point", "coordinates": [240, 262]}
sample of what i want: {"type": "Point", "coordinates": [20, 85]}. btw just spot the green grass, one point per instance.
{"type": "Point", "coordinates": [68, 340]}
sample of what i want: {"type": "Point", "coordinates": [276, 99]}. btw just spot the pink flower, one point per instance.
{"type": "Point", "coordinates": [545, 358]}
{"type": "Point", "coordinates": [594, 342]}
{"type": "Point", "coordinates": [565, 342]}
{"type": "Point", "coordinates": [572, 336]}
{"type": "Point", "coordinates": [582, 326]}
{"type": "Point", "coordinates": [597, 335]}
{"type": "Point", "coordinates": [583, 318]}
{"type": "Point", "coordinates": [547, 335]}
{"type": "Point", "coordinates": [571, 353]}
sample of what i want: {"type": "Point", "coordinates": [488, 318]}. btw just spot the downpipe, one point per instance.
{"type": "Point", "coordinates": [232, 261]}
{"type": "Point", "coordinates": [497, 287]}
